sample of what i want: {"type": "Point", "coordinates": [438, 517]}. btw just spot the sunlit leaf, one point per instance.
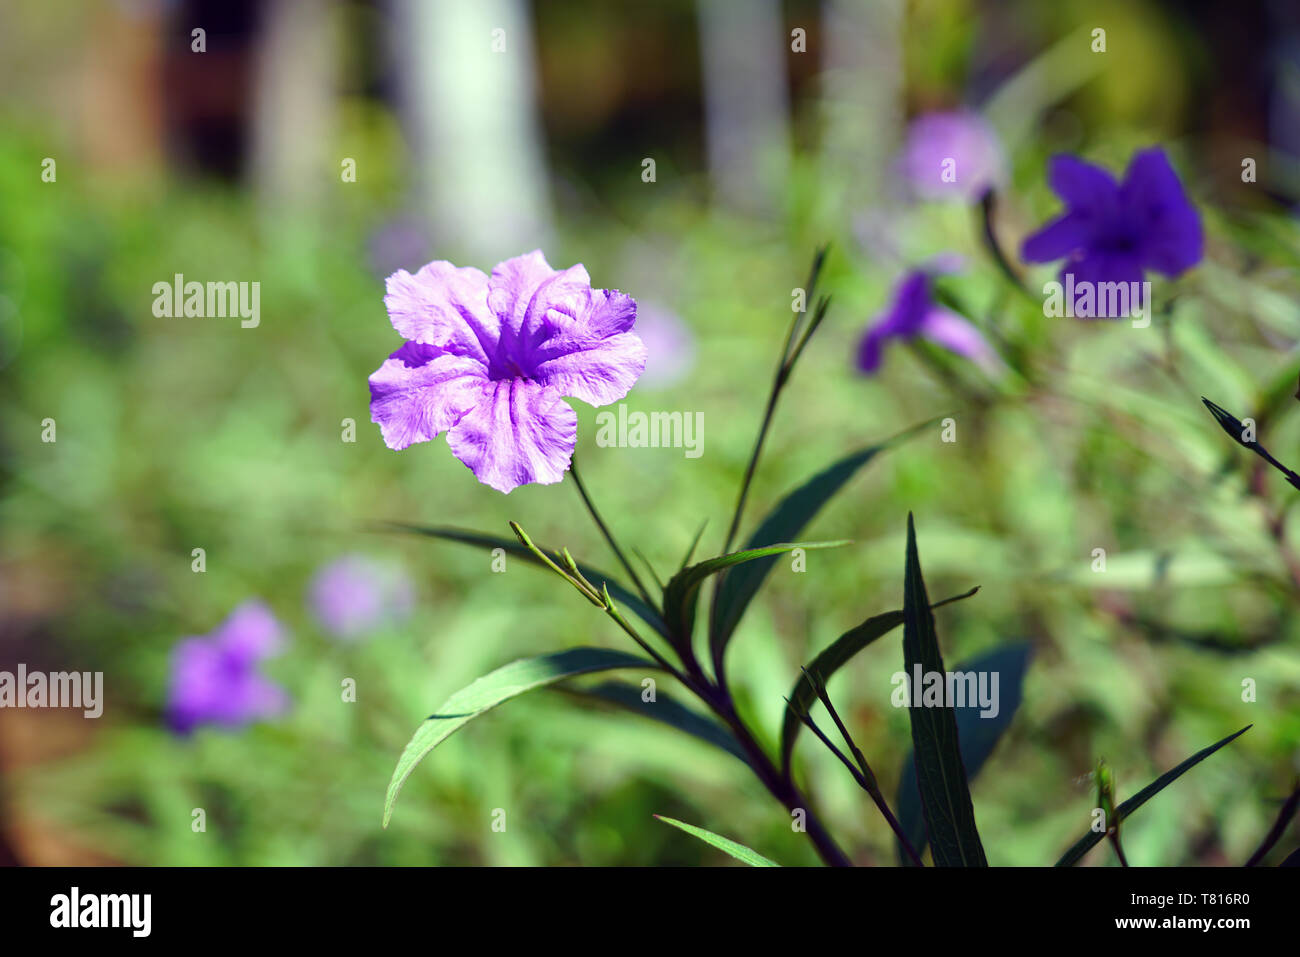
{"type": "Point", "coordinates": [508, 681]}
{"type": "Point", "coordinates": [739, 851]}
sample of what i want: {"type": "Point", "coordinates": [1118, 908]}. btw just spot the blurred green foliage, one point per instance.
{"type": "Point", "coordinates": [182, 433]}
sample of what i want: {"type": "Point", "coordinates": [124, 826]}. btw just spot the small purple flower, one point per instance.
{"type": "Point", "coordinates": [491, 359]}
{"type": "Point", "coordinates": [1113, 232]}
{"type": "Point", "coordinates": [914, 314]}
{"type": "Point", "coordinates": [354, 595]}
{"type": "Point", "coordinates": [953, 155]}
{"type": "Point", "coordinates": [214, 679]}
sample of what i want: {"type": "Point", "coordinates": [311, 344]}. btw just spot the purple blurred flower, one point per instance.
{"type": "Point", "coordinates": [962, 137]}
{"type": "Point", "coordinates": [214, 679]}
{"type": "Point", "coordinates": [490, 361]}
{"type": "Point", "coordinates": [1113, 232]}
{"type": "Point", "coordinates": [354, 594]}
{"type": "Point", "coordinates": [670, 347]}
{"type": "Point", "coordinates": [914, 314]}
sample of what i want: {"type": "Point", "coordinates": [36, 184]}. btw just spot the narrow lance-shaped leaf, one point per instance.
{"type": "Point", "coordinates": [1086, 843]}
{"type": "Point", "coordinates": [830, 660]}
{"type": "Point", "coordinates": [738, 587]}
{"type": "Point", "coordinates": [682, 593]}
{"type": "Point", "coordinates": [466, 537]}
{"type": "Point", "coordinates": [739, 851]}
{"type": "Point", "coordinates": [940, 775]}
{"type": "Point", "coordinates": [977, 734]}
{"type": "Point", "coordinates": [663, 709]}
{"type": "Point", "coordinates": [508, 681]}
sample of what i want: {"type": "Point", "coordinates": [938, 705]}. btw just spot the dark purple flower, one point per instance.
{"type": "Point", "coordinates": [491, 359]}
{"type": "Point", "coordinates": [214, 679]}
{"type": "Point", "coordinates": [914, 314]}
{"type": "Point", "coordinates": [354, 594]}
{"type": "Point", "coordinates": [1113, 232]}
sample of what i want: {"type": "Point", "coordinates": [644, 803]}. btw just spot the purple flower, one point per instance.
{"type": "Point", "coordinates": [959, 143]}
{"type": "Point", "coordinates": [491, 359]}
{"type": "Point", "coordinates": [214, 679]}
{"type": "Point", "coordinates": [1113, 232]}
{"type": "Point", "coordinates": [354, 595]}
{"type": "Point", "coordinates": [914, 313]}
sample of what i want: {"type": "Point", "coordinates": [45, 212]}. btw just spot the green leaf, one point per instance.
{"type": "Point", "coordinates": [738, 588]}
{"type": "Point", "coordinates": [977, 736]}
{"type": "Point", "coordinates": [1085, 843]}
{"type": "Point", "coordinates": [683, 591]}
{"type": "Point", "coordinates": [508, 681]}
{"type": "Point", "coordinates": [739, 851]}
{"type": "Point", "coordinates": [940, 775]}
{"type": "Point", "coordinates": [831, 660]}
{"type": "Point", "coordinates": [665, 710]}
{"type": "Point", "coordinates": [466, 537]}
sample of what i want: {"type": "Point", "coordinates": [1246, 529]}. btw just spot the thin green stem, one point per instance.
{"type": "Point", "coordinates": [604, 530]}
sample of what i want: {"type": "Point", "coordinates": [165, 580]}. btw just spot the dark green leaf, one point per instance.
{"type": "Point", "coordinates": [831, 660]}
{"type": "Point", "coordinates": [977, 736]}
{"type": "Point", "coordinates": [1085, 843]}
{"type": "Point", "coordinates": [1236, 431]}
{"type": "Point", "coordinates": [738, 588]}
{"type": "Point", "coordinates": [940, 775]}
{"type": "Point", "coordinates": [1277, 830]}
{"type": "Point", "coordinates": [664, 709]}
{"type": "Point", "coordinates": [508, 681]}
{"type": "Point", "coordinates": [682, 593]}
{"type": "Point", "coordinates": [739, 851]}
{"type": "Point", "coordinates": [489, 542]}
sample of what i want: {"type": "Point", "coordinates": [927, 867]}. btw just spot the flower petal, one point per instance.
{"type": "Point", "coordinates": [414, 402]}
{"type": "Point", "coordinates": [1103, 271]}
{"type": "Point", "coordinates": [958, 334]}
{"type": "Point", "coordinates": [1057, 239]}
{"type": "Point", "coordinates": [519, 432]}
{"type": "Point", "coordinates": [593, 357]}
{"type": "Point", "coordinates": [870, 351]}
{"type": "Point", "coordinates": [524, 290]}
{"type": "Point", "coordinates": [1084, 187]}
{"type": "Point", "coordinates": [597, 371]}
{"type": "Point", "coordinates": [1169, 224]}
{"type": "Point", "coordinates": [445, 306]}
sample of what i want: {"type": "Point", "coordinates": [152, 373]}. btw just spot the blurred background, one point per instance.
{"type": "Point", "coordinates": [314, 147]}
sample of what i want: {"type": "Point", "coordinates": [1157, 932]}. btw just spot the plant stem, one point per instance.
{"type": "Point", "coordinates": [604, 530]}
{"type": "Point", "coordinates": [867, 781]}
{"type": "Point", "coordinates": [781, 787]}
